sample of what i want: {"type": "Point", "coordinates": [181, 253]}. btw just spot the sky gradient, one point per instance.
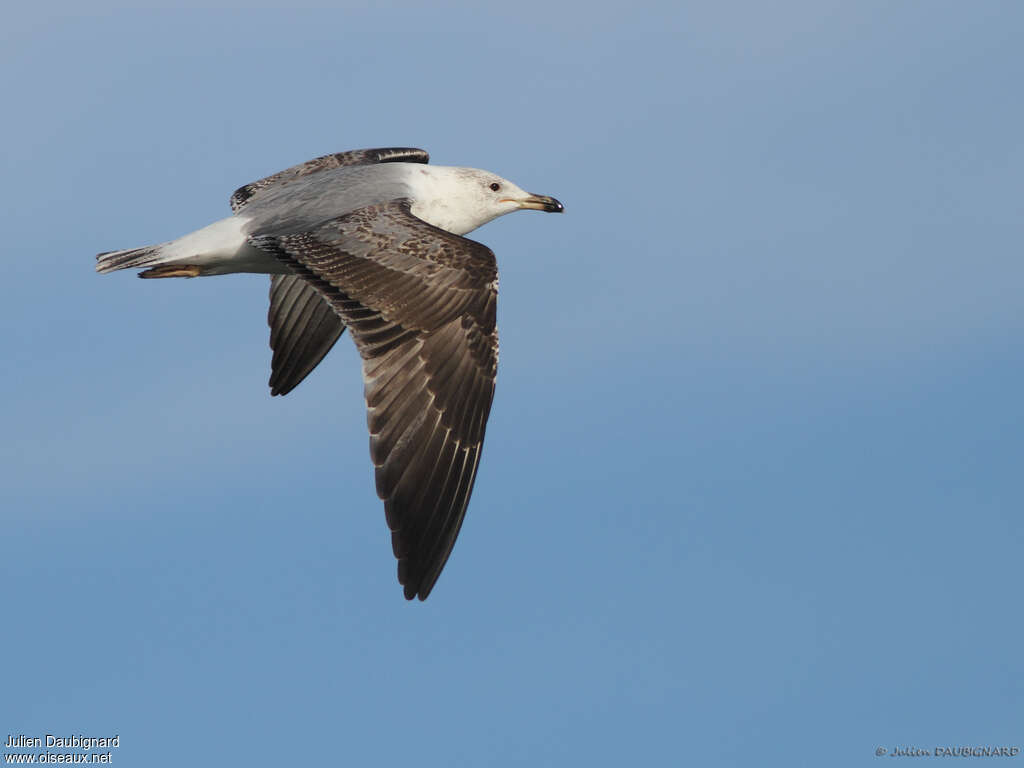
{"type": "Point", "coordinates": [751, 492]}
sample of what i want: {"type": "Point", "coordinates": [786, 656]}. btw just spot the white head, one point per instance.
{"type": "Point", "coordinates": [461, 199]}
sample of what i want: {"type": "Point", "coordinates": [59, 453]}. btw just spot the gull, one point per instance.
{"type": "Point", "coordinates": [372, 240]}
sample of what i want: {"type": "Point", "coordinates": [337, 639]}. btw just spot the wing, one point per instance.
{"type": "Point", "coordinates": [242, 195]}
{"type": "Point", "coordinates": [303, 328]}
{"type": "Point", "coordinates": [421, 306]}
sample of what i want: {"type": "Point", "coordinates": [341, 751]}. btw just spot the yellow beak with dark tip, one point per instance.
{"type": "Point", "coordinates": [538, 203]}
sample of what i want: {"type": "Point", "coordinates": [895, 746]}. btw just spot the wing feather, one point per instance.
{"type": "Point", "coordinates": [420, 304]}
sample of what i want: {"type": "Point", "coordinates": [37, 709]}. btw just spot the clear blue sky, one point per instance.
{"type": "Point", "coordinates": [752, 492]}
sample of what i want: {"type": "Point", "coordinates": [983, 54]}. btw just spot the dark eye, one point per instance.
{"type": "Point", "coordinates": [495, 186]}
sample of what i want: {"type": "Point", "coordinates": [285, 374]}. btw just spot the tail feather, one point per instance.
{"type": "Point", "coordinates": [131, 258]}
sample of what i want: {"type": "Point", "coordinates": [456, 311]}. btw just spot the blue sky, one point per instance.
{"type": "Point", "coordinates": [752, 488]}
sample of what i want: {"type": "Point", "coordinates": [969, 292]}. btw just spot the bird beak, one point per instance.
{"type": "Point", "coordinates": [538, 203]}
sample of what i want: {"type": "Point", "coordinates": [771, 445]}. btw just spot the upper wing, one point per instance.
{"type": "Point", "coordinates": [303, 328]}
{"type": "Point", "coordinates": [421, 306]}
{"type": "Point", "coordinates": [242, 195]}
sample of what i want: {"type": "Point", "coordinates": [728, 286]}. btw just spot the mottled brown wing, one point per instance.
{"type": "Point", "coordinates": [421, 305]}
{"type": "Point", "coordinates": [242, 195]}
{"type": "Point", "coordinates": [303, 328]}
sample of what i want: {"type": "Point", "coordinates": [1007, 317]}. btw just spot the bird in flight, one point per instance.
{"type": "Point", "coordinates": [372, 240]}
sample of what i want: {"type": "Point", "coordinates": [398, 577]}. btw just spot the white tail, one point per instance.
{"type": "Point", "coordinates": [219, 249]}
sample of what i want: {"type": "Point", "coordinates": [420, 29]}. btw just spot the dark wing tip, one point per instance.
{"type": "Point", "coordinates": [418, 589]}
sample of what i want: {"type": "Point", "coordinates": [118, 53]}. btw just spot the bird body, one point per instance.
{"type": "Point", "coordinates": [371, 240]}
{"type": "Point", "coordinates": [450, 198]}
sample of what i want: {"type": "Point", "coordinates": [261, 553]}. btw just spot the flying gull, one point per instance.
{"type": "Point", "coordinates": [372, 240]}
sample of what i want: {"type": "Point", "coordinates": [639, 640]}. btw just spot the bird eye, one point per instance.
{"type": "Point", "coordinates": [495, 186]}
